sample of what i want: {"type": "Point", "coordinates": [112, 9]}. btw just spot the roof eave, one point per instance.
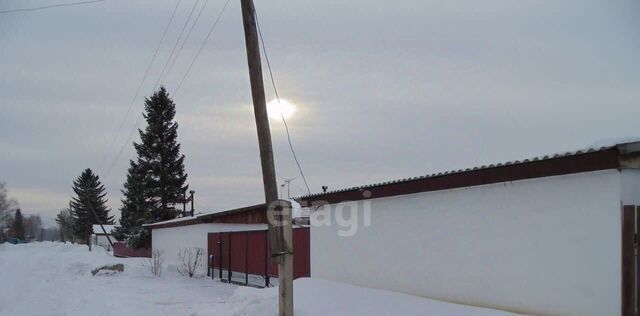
{"type": "Point", "coordinates": [612, 157]}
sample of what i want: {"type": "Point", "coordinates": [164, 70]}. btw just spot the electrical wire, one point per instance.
{"type": "Point", "coordinates": [144, 77]}
{"type": "Point", "coordinates": [139, 120]}
{"type": "Point", "coordinates": [204, 42]}
{"type": "Point", "coordinates": [186, 38]}
{"type": "Point", "coordinates": [275, 90]}
{"type": "Point", "coordinates": [49, 6]}
{"type": "Point", "coordinates": [173, 50]}
{"type": "Point", "coordinates": [124, 145]}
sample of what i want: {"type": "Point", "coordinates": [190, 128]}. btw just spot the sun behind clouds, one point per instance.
{"type": "Point", "coordinates": [276, 110]}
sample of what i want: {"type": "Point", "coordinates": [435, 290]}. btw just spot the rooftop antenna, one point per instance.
{"type": "Point", "coordinates": [287, 182]}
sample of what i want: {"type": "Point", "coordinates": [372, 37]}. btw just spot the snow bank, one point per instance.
{"type": "Point", "coordinates": [315, 297]}
{"type": "Point", "coordinates": [55, 279]}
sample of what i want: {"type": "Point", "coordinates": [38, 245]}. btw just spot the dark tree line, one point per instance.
{"type": "Point", "coordinates": [17, 227]}
{"type": "Point", "coordinates": [15, 224]}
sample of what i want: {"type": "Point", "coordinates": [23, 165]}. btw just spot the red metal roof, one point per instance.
{"type": "Point", "coordinates": [591, 159]}
{"type": "Point", "coordinates": [255, 214]}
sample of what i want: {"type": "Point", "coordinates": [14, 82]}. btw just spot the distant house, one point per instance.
{"type": "Point", "coordinates": [234, 242]}
{"type": "Point", "coordinates": [551, 235]}
{"type": "Point", "coordinates": [100, 238]}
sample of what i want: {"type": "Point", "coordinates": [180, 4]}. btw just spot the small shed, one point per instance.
{"type": "Point", "coordinates": [99, 237]}
{"type": "Point", "coordinates": [208, 231]}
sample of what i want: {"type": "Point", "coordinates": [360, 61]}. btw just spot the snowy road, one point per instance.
{"type": "Point", "coordinates": [54, 279]}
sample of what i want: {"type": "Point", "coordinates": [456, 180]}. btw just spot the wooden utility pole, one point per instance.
{"type": "Point", "coordinates": [284, 259]}
{"type": "Point", "coordinates": [95, 216]}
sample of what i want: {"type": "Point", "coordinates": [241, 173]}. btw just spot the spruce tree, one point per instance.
{"type": "Point", "coordinates": [89, 206]}
{"type": "Point", "coordinates": [156, 180]}
{"type": "Point", "coordinates": [159, 156]}
{"type": "Point", "coordinates": [133, 211]}
{"type": "Point", "coordinates": [17, 228]}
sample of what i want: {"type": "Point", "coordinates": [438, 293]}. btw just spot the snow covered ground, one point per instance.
{"type": "Point", "coordinates": [55, 279]}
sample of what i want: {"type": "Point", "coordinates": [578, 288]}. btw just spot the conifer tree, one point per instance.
{"type": "Point", "coordinates": [133, 211]}
{"type": "Point", "coordinates": [155, 183]}
{"type": "Point", "coordinates": [159, 156]}
{"type": "Point", "coordinates": [89, 206]}
{"type": "Point", "coordinates": [17, 228]}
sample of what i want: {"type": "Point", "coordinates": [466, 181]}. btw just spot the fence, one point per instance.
{"type": "Point", "coordinates": [121, 249]}
{"type": "Point", "coordinates": [243, 257]}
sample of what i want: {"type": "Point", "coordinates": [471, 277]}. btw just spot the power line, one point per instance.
{"type": "Point", "coordinates": [204, 42]}
{"type": "Point", "coordinates": [49, 6]}
{"type": "Point", "coordinates": [144, 77]}
{"type": "Point", "coordinates": [140, 116]}
{"type": "Point", "coordinates": [137, 123]}
{"type": "Point", "coordinates": [124, 145]}
{"type": "Point", "coordinates": [173, 50]}
{"type": "Point", "coordinates": [273, 83]}
{"type": "Point", "coordinates": [186, 38]}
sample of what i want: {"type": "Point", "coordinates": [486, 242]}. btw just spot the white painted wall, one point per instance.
{"type": "Point", "coordinates": [630, 186]}
{"type": "Point", "coordinates": [548, 246]}
{"type": "Point", "coordinates": [101, 240]}
{"type": "Point", "coordinates": [171, 239]}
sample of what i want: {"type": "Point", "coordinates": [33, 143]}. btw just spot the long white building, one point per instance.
{"type": "Point", "coordinates": [552, 235]}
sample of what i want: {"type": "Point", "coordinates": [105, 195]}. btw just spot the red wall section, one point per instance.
{"type": "Point", "coordinates": [247, 251]}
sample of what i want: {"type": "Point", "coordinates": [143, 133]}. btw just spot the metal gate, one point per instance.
{"type": "Point", "coordinates": [243, 257]}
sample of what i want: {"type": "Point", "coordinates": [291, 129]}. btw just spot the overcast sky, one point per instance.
{"type": "Point", "coordinates": [384, 89]}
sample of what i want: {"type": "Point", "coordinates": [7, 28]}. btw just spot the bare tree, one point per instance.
{"type": "Point", "coordinates": [154, 264]}
{"type": "Point", "coordinates": [33, 227]}
{"type": "Point", "coordinates": [65, 222]}
{"type": "Point", "coordinates": [7, 206]}
{"type": "Point", "coordinates": [190, 261]}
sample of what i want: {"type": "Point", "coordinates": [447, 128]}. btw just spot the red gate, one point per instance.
{"type": "Point", "coordinates": [243, 254]}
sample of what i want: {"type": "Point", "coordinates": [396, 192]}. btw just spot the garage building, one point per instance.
{"type": "Point", "coordinates": [551, 235]}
